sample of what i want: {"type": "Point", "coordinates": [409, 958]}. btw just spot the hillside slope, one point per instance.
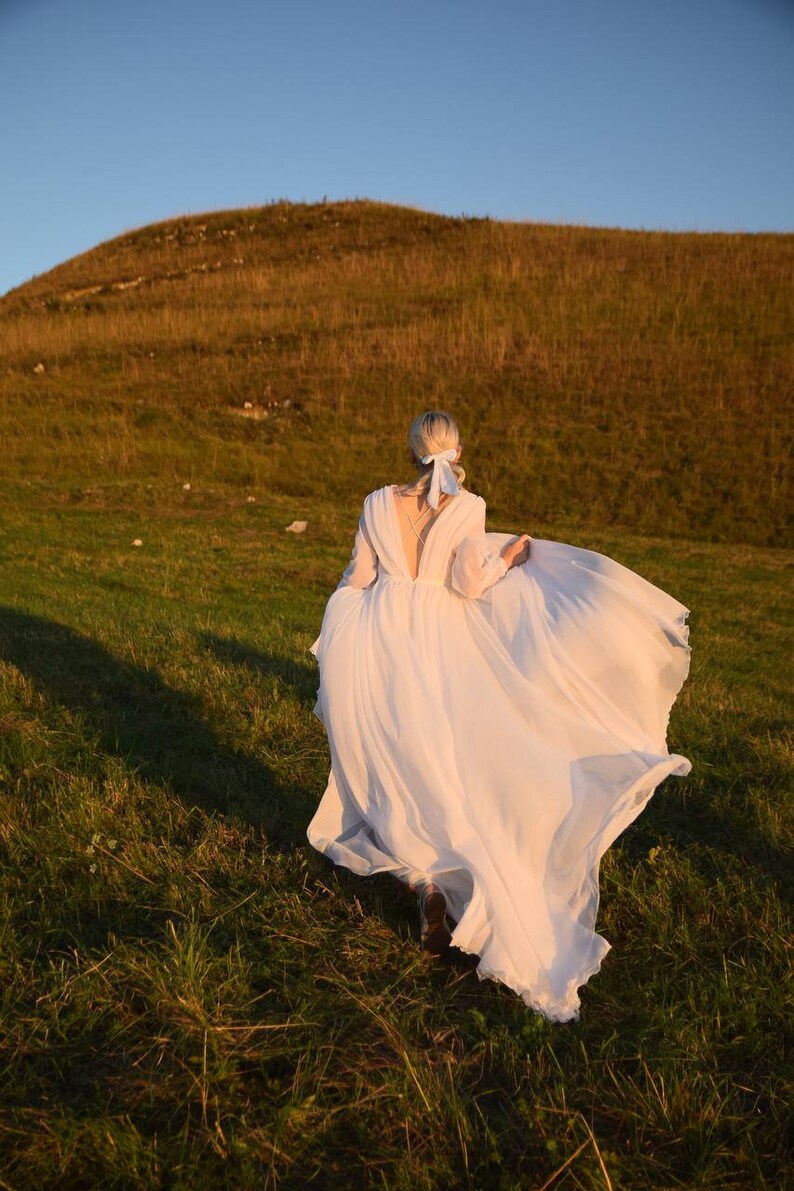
{"type": "Point", "coordinates": [601, 377]}
{"type": "Point", "coordinates": [191, 995]}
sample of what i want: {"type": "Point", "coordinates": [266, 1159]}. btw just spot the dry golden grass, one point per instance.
{"type": "Point", "coordinates": [601, 377]}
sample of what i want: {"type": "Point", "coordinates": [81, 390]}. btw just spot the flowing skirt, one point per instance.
{"type": "Point", "coordinates": [499, 746]}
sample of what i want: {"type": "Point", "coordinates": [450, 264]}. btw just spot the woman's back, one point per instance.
{"type": "Point", "coordinates": [415, 516]}
{"type": "Point", "coordinates": [448, 557]}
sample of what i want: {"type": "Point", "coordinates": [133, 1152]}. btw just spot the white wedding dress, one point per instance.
{"type": "Point", "coordinates": [494, 731]}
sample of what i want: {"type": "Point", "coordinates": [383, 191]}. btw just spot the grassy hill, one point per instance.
{"type": "Point", "coordinates": [601, 378]}
{"type": "Point", "coordinates": [189, 996]}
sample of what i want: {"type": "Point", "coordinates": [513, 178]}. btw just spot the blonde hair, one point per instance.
{"type": "Point", "coordinates": [429, 433]}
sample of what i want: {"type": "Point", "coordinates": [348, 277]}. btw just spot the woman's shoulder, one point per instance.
{"type": "Point", "coordinates": [375, 497]}
{"type": "Point", "coordinates": [474, 497]}
{"type": "Point", "coordinates": [377, 493]}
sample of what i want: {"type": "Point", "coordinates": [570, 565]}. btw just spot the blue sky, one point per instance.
{"type": "Point", "coordinates": [634, 113]}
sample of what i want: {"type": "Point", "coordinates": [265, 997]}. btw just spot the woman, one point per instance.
{"type": "Point", "coordinates": [496, 711]}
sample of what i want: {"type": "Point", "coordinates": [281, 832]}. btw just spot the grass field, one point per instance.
{"type": "Point", "coordinates": [189, 996]}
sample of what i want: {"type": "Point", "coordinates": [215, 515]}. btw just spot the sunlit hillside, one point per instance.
{"type": "Point", "coordinates": [191, 996]}
{"type": "Point", "coordinates": [601, 377]}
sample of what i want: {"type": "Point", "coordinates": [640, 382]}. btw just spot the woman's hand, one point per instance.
{"type": "Point", "coordinates": [517, 551]}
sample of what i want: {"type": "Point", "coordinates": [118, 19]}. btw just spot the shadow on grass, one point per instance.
{"type": "Point", "coordinates": [158, 731]}
{"type": "Point", "coordinates": [161, 735]}
{"type": "Point", "coordinates": [301, 678]}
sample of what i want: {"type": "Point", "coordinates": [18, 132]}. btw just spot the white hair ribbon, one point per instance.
{"type": "Point", "coordinates": [443, 479]}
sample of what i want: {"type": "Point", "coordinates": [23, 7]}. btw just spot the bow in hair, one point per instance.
{"type": "Point", "coordinates": [443, 478]}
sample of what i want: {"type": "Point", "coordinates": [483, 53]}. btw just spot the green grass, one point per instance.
{"type": "Point", "coordinates": [190, 997]}
{"type": "Point", "coordinates": [193, 997]}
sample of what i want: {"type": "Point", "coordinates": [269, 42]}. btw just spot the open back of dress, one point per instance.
{"type": "Point", "coordinates": [495, 732]}
{"type": "Point", "coordinates": [419, 523]}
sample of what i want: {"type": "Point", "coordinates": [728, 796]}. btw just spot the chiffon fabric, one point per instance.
{"type": "Point", "coordinates": [494, 731]}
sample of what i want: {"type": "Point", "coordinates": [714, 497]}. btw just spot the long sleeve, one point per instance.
{"type": "Point", "coordinates": [477, 564]}
{"type": "Point", "coordinates": [362, 570]}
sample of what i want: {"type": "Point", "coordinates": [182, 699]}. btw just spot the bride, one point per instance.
{"type": "Point", "coordinates": [496, 710]}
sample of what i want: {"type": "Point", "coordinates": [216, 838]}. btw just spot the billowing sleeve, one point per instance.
{"type": "Point", "coordinates": [362, 570]}
{"type": "Point", "coordinates": [477, 564]}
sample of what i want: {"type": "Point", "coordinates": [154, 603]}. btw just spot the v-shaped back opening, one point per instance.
{"type": "Point", "coordinates": [396, 500]}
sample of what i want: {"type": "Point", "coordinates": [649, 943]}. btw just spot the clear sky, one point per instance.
{"type": "Point", "coordinates": [634, 113]}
